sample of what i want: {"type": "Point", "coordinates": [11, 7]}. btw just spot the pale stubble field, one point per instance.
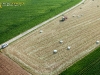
{"type": "Point", "coordinates": [34, 52]}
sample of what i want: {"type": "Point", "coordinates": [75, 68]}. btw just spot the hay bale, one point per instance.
{"type": "Point", "coordinates": [60, 41]}
{"type": "Point", "coordinates": [54, 51]}
{"type": "Point", "coordinates": [68, 48]}
{"type": "Point", "coordinates": [97, 42]}
{"type": "Point", "coordinates": [41, 31]}
{"type": "Point", "coordinates": [73, 15]}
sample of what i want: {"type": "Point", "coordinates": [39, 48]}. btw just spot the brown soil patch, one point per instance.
{"type": "Point", "coordinates": [8, 67]}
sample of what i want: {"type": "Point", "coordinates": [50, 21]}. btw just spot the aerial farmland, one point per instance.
{"type": "Point", "coordinates": [56, 45]}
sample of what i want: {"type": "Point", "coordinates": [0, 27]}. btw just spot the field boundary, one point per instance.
{"type": "Point", "coordinates": [83, 55]}
{"type": "Point", "coordinates": [78, 57]}
{"type": "Point", "coordinates": [41, 24]}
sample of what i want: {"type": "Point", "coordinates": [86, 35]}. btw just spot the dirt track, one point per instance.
{"type": "Point", "coordinates": [81, 32]}
{"type": "Point", "coordinates": [8, 67]}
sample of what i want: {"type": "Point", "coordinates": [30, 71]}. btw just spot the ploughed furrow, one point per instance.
{"type": "Point", "coordinates": [54, 46]}
{"type": "Point", "coordinates": [75, 40]}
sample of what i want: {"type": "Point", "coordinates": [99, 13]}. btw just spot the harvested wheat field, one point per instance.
{"type": "Point", "coordinates": [8, 67]}
{"type": "Point", "coordinates": [34, 52]}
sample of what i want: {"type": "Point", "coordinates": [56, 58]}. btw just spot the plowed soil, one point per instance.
{"type": "Point", "coordinates": [8, 67]}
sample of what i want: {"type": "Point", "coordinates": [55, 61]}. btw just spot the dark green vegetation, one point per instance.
{"type": "Point", "coordinates": [17, 19]}
{"type": "Point", "coordinates": [90, 65]}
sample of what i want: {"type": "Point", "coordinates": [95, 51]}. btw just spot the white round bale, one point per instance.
{"type": "Point", "coordinates": [61, 41]}
{"type": "Point", "coordinates": [97, 42]}
{"type": "Point", "coordinates": [73, 15]}
{"type": "Point", "coordinates": [41, 31]}
{"type": "Point", "coordinates": [68, 48]}
{"type": "Point", "coordinates": [54, 51]}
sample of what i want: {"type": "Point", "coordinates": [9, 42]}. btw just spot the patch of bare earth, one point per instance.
{"type": "Point", "coordinates": [34, 52]}
{"type": "Point", "coordinates": [8, 67]}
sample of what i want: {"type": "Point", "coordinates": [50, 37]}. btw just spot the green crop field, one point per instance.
{"type": "Point", "coordinates": [90, 65]}
{"type": "Point", "coordinates": [17, 16]}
